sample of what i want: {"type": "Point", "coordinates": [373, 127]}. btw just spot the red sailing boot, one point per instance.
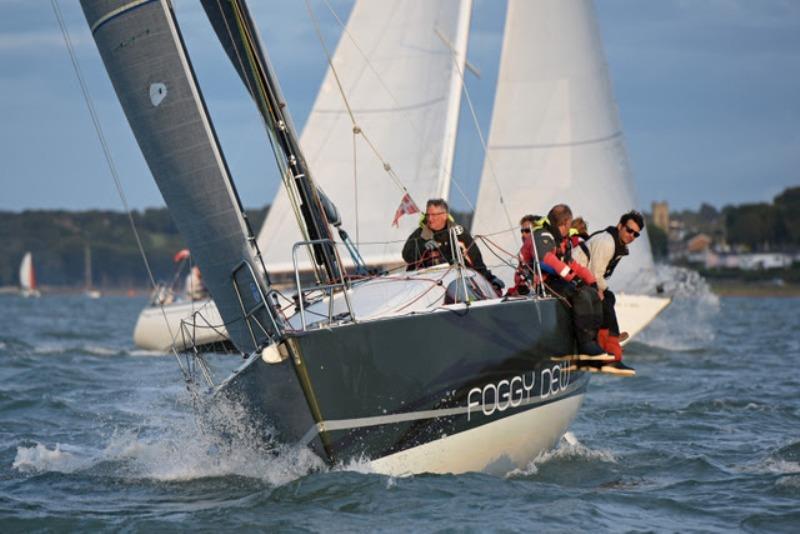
{"type": "Point", "coordinates": [602, 338]}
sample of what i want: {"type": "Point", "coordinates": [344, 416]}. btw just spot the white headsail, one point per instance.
{"type": "Point", "coordinates": [398, 63]}
{"type": "Point", "coordinates": [143, 52]}
{"type": "Point", "coordinates": [555, 135]}
{"type": "Point", "coordinates": [27, 278]}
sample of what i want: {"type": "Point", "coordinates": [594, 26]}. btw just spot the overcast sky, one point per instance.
{"type": "Point", "coordinates": [708, 92]}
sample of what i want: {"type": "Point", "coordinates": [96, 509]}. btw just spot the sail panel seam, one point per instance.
{"type": "Point", "coordinates": [596, 141]}
{"type": "Point", "coordinates": [118, 12]}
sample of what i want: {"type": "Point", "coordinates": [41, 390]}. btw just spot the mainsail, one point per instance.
{"type": "Point", "coordinates": [555, 135]}
{"type": "Point", "coordinates": [144, 55]}
{"type": "Point", "coordinates": [399, 65]}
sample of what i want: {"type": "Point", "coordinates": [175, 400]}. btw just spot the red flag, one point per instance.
{"type": "Point", "coordinates": [406, 207]}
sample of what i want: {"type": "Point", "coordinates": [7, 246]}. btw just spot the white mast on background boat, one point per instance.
{"type": "Point", "coordinates": [27, 277]}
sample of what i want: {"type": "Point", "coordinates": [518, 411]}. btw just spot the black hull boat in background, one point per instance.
{"type": "Point", "coordinates": [417, 372]}
{"type": "Point", "coordinates": [475, 388]}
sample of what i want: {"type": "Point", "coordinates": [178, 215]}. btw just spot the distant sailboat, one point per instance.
{"type": "Point", "coordinates": [27, 277]}
{"type": "Point", "coordinates": [88, 288]}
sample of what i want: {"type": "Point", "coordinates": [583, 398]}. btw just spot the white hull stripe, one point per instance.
{"type": "Point", "coordinates": [119, 11]}
{"type": "Point", "coordinates": [361, 422]}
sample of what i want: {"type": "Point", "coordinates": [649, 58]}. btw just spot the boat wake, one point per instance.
{"type": "Point", "coordinates": [568, 449]}
{"type": "Point", "coordinates": [177, 449]}
{"type": "Point", "coordinates": [692, 313]}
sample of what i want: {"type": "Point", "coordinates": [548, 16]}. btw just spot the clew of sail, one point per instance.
{"type": "Point", "coordinates": [143, 52]}
{"type": "Point", "coordinates": [555, 135]}
{"type": "Point", "coordinates": [398, 64]}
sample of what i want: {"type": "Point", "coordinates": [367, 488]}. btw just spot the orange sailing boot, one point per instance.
{"type": "Point", "coordinates": [602, 338]}
{"type": "Point", "coordinates": [612, 346]}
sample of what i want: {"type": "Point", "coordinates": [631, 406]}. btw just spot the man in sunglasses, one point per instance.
{"type": "Point", "coordinates": [605, 250]}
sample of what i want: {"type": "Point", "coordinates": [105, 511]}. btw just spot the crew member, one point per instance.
{"type": "Point", "coordinates": [550, 244]}
{"type": "Point", "coordinates": [605, 250]}
{"type": "Point", "coordinates": [430, 243]}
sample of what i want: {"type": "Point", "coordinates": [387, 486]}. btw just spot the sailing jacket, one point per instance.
{"type": "Point", "coordinates": [605, 252]}
{"type": "Point", "coordinates": [555, 256]}
{"type": "Point", "coordinates": [425, 248]}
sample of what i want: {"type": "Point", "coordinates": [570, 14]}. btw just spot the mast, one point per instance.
{"type": "Point", "coordinates": [87, 267]}
{"type": "Point", "coordinates": [145, 57]}
{"type": "Point", "coordinates": [235, 28]}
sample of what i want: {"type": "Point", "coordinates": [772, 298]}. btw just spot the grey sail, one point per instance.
{"type": "Point", "coordinates": [143, 52]}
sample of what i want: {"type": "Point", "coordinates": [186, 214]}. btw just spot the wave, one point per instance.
{"type": "Point", "coordinates": [692, 312]}
{"type": "Point", "coordinates": [170, 448]}
{"type": "Point", "coordinates": [568, 448]}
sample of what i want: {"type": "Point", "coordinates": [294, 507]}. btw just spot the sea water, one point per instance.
{"type": "Point", "coordinates": [95, 434]}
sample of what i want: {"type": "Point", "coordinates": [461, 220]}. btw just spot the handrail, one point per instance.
{"type": "Point", "coordinates": [247, 315]}
{"type": "Point", "coordinates": [329, 288]}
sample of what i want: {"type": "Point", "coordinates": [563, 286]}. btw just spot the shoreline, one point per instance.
{"type": "Point", "coordinates": [753, 289]}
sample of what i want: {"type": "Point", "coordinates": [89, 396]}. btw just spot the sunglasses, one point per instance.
{"type": "Point", "coordinates": [525, 230]}
{"type": "Point", "coordinates": [634, 233]}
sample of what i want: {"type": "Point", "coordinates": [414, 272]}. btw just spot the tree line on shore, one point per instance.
{"type": "Point", "coordinates": [753, 227]}
{"type": "Point", "coordinates": [58, 239]}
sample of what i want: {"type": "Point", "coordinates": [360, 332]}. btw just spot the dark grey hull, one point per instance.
{"type": "Point", "coordinates": [373, 389]}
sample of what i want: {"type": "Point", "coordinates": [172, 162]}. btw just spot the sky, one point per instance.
{"type": "Point", "coordinates": [708, 93]}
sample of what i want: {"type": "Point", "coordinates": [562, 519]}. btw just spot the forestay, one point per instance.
{"type": "Point", "coordinates": [555, 135]}
{"type": "Point", "coordinates": [144, 55]}
{"type": "Point", "coordinates": [398, 63]}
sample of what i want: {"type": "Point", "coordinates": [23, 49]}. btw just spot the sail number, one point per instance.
{"type": "Point", "coordinates": [510, 393]}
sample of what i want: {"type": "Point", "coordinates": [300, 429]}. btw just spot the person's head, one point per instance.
{"type": "Point", "coordinates": [560, 217]}
{"type": "Point", "coordinates": [526, 224]}
{"type": "Point", "coordinates": [580, 225]}
{"type": "Point", "coordinates": [436, 212]}
{"type": "Point", "coordinates": [630, 226]}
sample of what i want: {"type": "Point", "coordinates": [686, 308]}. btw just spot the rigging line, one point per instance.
{"type": "Point", "coordinates": [112, 168]}
{"type": "Point", "coordinates": [355, 184]}
{"type": "Point", "coordinates": [371, 67]}
{"type": "Point", "coordinates": [461, 192]}
{"type": "Point", "coordinates": [486, 153]}
{"type": "Point", "coordinates": [356, 128]}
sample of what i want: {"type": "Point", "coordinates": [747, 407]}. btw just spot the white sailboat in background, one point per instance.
{"type": "Point", "coordinates": [555, 137]}
{"type": "Point", "coordinates": [88, 287]}
{"type": "Point", "coordinates": [27, 277]}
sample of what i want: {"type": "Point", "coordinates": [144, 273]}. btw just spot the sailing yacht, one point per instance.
{"type": "Point", "coordinates": [417, 372]}
{"type": "Point", "coordinates": [88, 287]}
{"type": "Point", "coordinates": [27, 277]}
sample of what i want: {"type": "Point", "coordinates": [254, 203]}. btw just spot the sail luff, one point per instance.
{"type": "Point", "coordinates": [555, 135]}
{"type": "Point", "coordinates": [145, 57]}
